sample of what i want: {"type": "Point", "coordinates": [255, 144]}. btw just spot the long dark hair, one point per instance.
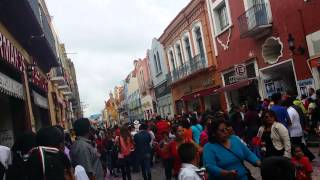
{"type": "Point", "coordinates": [125, 134]}
{"type": "Point", "coordinates": [213, 128]}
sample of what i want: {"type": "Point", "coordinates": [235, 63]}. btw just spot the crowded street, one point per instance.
{"type": "Point", "coordinates": [159, 90]}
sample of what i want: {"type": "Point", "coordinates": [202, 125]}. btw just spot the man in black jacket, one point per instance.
{"type": "Point", "coordinates": [143, 150]}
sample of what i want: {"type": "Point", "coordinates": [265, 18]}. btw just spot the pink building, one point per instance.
{"type": "Point", "coordinates": [145, 87]}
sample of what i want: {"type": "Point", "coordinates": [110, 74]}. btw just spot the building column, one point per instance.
{"type": "Point", "coordinates": [52, 108]}
{"type": "Point", "coordinates": [30, 124]}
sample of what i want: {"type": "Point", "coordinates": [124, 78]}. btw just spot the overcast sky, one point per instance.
{"type": "Point", "coordinates": [107, 36]}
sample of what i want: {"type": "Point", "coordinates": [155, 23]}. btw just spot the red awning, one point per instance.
{"type": "Point", "coordinates": [204, 92]}
{"type": "Point", "coordinates": [234, 86]}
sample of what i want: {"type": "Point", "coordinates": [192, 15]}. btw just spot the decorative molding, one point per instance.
{"type": "Point", "coordinates": [225, 46]}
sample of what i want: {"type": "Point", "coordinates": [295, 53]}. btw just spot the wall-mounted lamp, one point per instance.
{"type": "Point", "coordinates": [296, 51]}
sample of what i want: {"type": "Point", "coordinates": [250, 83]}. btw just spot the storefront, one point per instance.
{"type": "Point", "coordinates": [13, 108]}
{"type": "Point", "coordinates": [39, 92]}
{"type": "Point", "coordinates": [280, 78]}
{"type": "Point", "coordinates": [198, 94]}
{"type": "Point", "coordinates": [164, 100]}
{"type": "Point", "coordinates": [240, 90]}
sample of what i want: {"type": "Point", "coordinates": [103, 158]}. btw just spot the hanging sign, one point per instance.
{"type": "Point", "coordinates": [39, 80]}
{"type": "Point", "coordinates": [10, 54]}
{"type": "Point", "coordinates": [11, 87]}
{"type": "Point", "coordinates": [40, 100]}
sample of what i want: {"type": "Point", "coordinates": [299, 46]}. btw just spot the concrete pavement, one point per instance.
{"type": "Point", "coordinates": [158, 171]}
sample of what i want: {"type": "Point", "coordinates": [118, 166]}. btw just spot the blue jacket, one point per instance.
{"type": "Point", "coordinates": [142, 143]}
{"type": "Point", "coordinates": [217, 158]}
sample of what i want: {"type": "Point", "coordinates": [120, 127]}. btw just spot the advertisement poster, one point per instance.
{"type": "Point", "coordinates": [304, 85]}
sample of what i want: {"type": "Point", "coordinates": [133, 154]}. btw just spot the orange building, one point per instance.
{"type": "Point", "coordinates": [191, 61]}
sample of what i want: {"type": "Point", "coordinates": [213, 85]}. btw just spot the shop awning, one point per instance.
{"type": "Point", "coordinates": [235, 86]}
{"type": "Point", "coordinates": [204, 92]}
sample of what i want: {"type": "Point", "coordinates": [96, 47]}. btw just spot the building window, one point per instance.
{"type": "Point", "coordinates": [199, 41]}
{"type": "Point", "coordinates": [188, 48]}
{"type": "Point", "coordinates": [172, 60]}
{"type": "Point", "coordinates": [156, 63]}
{"type": "Point", "coordinates": [178, 48]}
{"type": "Point", "coordinates": [221, 15]}
{"type": "Point", "coordinates": [158, 60]}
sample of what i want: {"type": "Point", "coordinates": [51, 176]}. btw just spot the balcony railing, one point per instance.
{"type": "Point", "coordinates": [255, 22]}
{"type": "Point", "coordinates": [57, 76]}
{"type": "Point", "coordinates": [195, 64]}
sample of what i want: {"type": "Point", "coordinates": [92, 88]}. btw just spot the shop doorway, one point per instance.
{"type": "Point", "coordinates": [212, 102]}
{"type": "Point", "coordinates": [279, 78]}
{"type": "Point", "coordinates": [244, 94]}
{"type": "Point", "coordinates": [12, 119]}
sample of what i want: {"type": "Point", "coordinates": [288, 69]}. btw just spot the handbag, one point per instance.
{"type": "Point", "coordinates": [249, 175]}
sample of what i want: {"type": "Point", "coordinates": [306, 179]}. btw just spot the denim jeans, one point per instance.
{"type": "Point", "coordinates": [145, 164]}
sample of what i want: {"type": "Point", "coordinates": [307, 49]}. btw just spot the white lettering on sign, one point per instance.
{"type": "Point", "coordinates": [10, 54]}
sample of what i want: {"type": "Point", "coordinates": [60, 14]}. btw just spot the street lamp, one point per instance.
{"type": "Point", "coordinates": [299, 51]}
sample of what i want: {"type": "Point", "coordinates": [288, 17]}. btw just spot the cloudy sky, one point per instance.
{"type": "Point", "coordinates": [107, 36]}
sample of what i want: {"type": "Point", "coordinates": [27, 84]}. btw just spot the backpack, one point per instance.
{"type": "Point", "coordinates": [46, 163]}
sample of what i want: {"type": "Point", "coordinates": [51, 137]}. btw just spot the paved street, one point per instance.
{"type": "Point", "coordinates": [158, 171]}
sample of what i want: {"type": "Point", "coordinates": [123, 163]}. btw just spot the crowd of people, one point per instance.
{"type": "Point", "coordinates": [269, 134]}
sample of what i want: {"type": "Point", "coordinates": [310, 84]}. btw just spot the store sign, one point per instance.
{"type": "Point", "coordinates": [11, 87]}
{"type": "Point", "coordinates": [39, 80]}
{"type": "Point", "coordinates": [6, 138]}
{"type": "Point", "coordinates": [10, 54]}
{"type": "Point", "coordinates": [187, 89]}
{"type": "Point", "coordinates": [207, 83]}
{"type": "Point", "coordinates": [240, 72]}
{"type": "Point", "coordinates": [304, 85]}
{"type": "Point", "coordinates": [40, 100]}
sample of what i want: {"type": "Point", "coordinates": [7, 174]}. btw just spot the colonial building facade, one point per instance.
{"type": "Point", "coordinates": [161, 80]}
{"type": "Point", "coordinates": [28, 53]}
{"type": "Point", "coordinates": [262, 46]}
{"type": "Point", "coordinates": [191, 62]}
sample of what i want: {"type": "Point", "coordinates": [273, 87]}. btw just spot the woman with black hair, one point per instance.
{"type": "Point", "coordinates": [223, 156]}
{"type": "Point", "coordinates": [274, 136]}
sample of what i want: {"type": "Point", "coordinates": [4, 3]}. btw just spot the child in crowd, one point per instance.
{"type": "Point", "coordinates": [190, 159]}
{"type": "Point", "coordinates": [302, 164]}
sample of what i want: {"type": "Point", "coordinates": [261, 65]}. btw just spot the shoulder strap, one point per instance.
{"type": "Point", "coordinates": [236, 155]}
